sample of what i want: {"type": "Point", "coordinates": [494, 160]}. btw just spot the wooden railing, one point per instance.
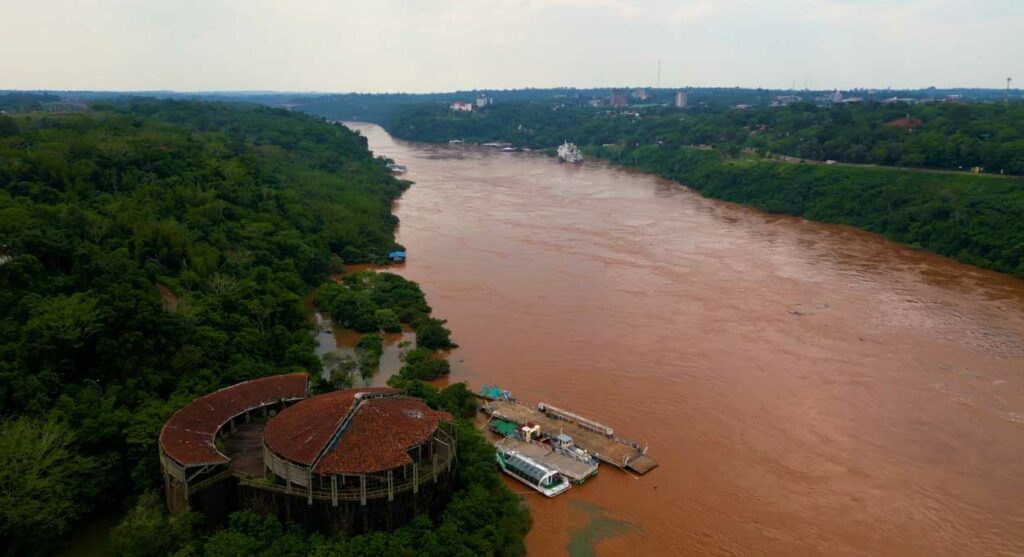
{"type": "Point", "coordinates": [207, 482]}
{"type": "Point", "coordinates": [426, 474]}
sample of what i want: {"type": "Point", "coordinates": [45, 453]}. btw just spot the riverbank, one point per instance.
{"type": "Point", "coordinates": [975, 219]}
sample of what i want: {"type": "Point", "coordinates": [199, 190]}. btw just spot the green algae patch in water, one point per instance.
{"type": "Point", "coordinates": [598, 527]}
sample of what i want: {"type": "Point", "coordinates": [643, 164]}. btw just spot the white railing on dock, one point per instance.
{"type": "Point", "coordinates": [568, 416]}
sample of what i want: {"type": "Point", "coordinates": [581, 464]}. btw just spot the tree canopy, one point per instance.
{"type": "Point", "coordinates": [151, 251]}
{"type": "Point", "coordinates": [934, 135]}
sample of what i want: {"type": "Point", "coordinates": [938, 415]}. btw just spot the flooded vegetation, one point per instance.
{"type": "Point", "coordinates": [808, 389]}
{"type": "Point", "coordinates": [342, 344]}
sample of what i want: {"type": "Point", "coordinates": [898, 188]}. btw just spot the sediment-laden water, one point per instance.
{"type": "Point", "coordinates": [808, 389]}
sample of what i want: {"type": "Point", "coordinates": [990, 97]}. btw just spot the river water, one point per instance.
{"type": "Point", "coordinates": [808, 389]}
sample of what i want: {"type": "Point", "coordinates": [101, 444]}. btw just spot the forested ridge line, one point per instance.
{"type": "Point", "coordinates": [241, 211]}
{"type": "Point", "coordinates": [949, 136]}
{"type": "Point", "coordinates": [977, 219]}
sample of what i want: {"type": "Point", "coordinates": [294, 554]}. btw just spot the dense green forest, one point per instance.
{"type": "Point", "coordinates": [151, 251]}
{"type": "Point", "coordinates": [937, 135]}
{"type": "Point", "coordinates": [25, 102]}
{"type": "Point", "coordinates": [977, 219]}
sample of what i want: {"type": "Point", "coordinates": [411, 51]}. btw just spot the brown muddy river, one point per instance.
{"type": "Point", "coordinates": [807, 389]}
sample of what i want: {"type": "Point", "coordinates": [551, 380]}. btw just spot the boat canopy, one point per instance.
{"type": "Point", "coordinates": [528, 470]}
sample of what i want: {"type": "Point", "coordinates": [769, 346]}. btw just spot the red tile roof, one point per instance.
{"type": "Point", "coordinates": [377, 438]}
{"type": "Point", "coordinates": [188, 437]}
{"type": "Point", "coordinates": [380, 436]}
{"type": "Point", "coordinates": [299, 432]}
{"type": "Point", "coordinates": [906, 123]}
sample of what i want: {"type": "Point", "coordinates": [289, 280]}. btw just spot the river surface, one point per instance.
{"type": "Point", "coordinates": [808, 389]}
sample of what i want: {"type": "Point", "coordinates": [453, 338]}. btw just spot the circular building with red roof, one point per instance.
{"type": "Point", "coordinates": [346, 461]}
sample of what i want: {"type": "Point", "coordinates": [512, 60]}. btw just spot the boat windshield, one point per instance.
{"type": "Point", "coordinates": [553, 481]}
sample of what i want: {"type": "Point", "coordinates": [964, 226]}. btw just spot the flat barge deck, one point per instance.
{"type": "Point", "coordinates": [608, 449]}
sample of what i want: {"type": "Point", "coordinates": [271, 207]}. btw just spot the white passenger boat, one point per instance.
{"type": "Point", "coordinates": [569, 152]}
{"type": "Point", "coordinates": [532, 473]}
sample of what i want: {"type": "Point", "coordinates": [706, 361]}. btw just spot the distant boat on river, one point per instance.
{"type": "Point", "coordinates": [397, 257]}
{"type": "Point", "coordinates": [569, 152]}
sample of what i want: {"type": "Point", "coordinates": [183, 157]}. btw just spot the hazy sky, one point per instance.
{"type": "Point", "coordinates": [428, 45]}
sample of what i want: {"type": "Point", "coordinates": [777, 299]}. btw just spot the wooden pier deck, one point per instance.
{"type": "Point", "coordinates": [575, 471]}
{"type": "Point", "coordinates": [612, 451]}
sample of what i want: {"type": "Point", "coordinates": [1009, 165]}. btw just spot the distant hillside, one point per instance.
{"type": "Point", "coordinates": [380, 107]}
{"type": "Point", "coordinates": [25, 102]}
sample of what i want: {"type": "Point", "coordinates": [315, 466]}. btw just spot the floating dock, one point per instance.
{"type": "Point", "coordinates": [573, 470]}
{"type": "Point", "coordinates": [605, 447]}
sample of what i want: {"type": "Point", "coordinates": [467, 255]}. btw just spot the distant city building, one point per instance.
{"type": "Point", "coordinates": [483, 100]}
{"type": "Point", "coordinates": [619, 97]}
{"type": "Point", "coordinates": [836, 97]}
{"type": "Point", "coordinates": [682, 99]}
{"type": "Point", "coordinates": [640, 94]}
{"type": "Point", "coordinates": [894, 100]}
{"type": "Point", "coordinates": [785, 100]}
{"type": "Point", "coordinates": [596, 102]}
{"type": "Point", "coordinates": [459, 106]}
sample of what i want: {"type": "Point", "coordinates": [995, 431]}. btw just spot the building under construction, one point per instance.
{"type": "Point", "coordinates": [347, 461]}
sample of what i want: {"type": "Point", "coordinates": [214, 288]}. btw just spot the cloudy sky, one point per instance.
{"type": "Point", "coordinates": [433, 45]}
